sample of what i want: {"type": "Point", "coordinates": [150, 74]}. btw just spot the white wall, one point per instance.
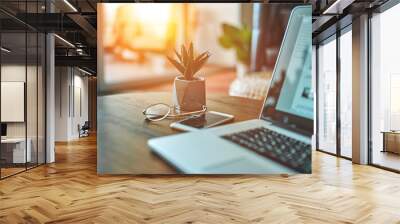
{"type": "Point", "coordinates": [206, 26]}
{"type": "Point", "coordinates": [62, 81]}
{"type": "Point", "coordinates": [67, 114]}
{"type": "Point", "coordinates": [34, 125]}
{"type": "Point", "coordinates": [209, 18]}
{"type": "Point", "coordinates": [17, 73]}
{"type": "Point", "coordinates": [14, 73]}
{"type": "Point", "coordinates": [13, 101]}
{"type": "Point", "coordinates": [79, 117]}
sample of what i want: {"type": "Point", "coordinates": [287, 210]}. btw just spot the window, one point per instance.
{"type": "Point", "coordinates": [22, 77]}
{"type": "Point", "coordinates": [346, 93]}
{"type": "Point", "coordinates": [385, 89]}
{"type": "Point", "coordinates": [327, 96]}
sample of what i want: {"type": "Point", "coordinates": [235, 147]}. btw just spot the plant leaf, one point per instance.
{"type": "Point", "coordinates": [201, 55]}
{"type": "Point", "coordinates": [246, 35]}
{"type": "Point", "coordinates": [179, 56]}
{"type": "Point", "coordinates": [184, 55]}
{"type": "Point", "coordinates": [200, 63]}
{"type": "Point", "coordinates": [191, 53]}
{"type": "Point", "coordinates": [225, 41]}
{"type": "Point", "coordinates": [237, 38]}
{"type": "Point", "coordinates": [188, 71]}
{"type": "Point", "coordinates": [176, 64]}
{"type": "Point", "coordinates": [230, 30]}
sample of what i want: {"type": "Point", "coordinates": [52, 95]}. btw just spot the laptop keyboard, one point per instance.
{"type": "Point", "coordinates": [280, 148]}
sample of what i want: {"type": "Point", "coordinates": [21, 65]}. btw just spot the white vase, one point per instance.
{"type": "Point", "coordinates": [241, 70]}
{"type": "Point", "coordinates": [189, 95]}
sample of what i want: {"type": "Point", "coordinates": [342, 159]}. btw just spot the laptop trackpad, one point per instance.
{"type": "Point", "coordinates": [236, 166]}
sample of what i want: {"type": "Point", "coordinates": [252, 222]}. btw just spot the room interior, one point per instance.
{"type": "Point", "coordinates": [209, 33]}
{"type": "Point", "coordinates": [386, 107]}
{"type": "Point", "coordinates": [51, 81]}
{"type": "Point", "coordinates": [22, 102]}
{"type": "Point", "coordinates": [129, 68]}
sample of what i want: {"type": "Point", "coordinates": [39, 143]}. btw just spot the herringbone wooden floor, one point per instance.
{"type": "Point", "coordinates": [69, 191]}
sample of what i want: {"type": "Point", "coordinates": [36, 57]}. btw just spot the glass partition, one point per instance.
{"type": "Point", "coordinates": [327, 96]}
{"type": "Point", "coordinates": [385, 89]}
{"type": "Point", "coordinates": [14, 153]}
{"type": "Point", "coordinates": [22, 91]}
{"type": "Point", "coordinates": [41, 110]}
{"type": "Point", "coordinates": [31, 100]}
{"type": "Point", "coordinates": [346, 93]}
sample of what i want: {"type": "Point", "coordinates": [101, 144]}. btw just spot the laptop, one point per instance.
{"type": "Point", "coordinates": [279, 141]}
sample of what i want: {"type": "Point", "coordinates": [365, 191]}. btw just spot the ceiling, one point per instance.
{"type": "Point", "coordinates": [331, 15]}
{"type": "Point", "coordinates": [72, 20]}
{"type": "Point", "coordinates": [76, 22]}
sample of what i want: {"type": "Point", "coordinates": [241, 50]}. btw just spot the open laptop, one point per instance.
{"type": "Point", "coordinates": [279, 141]}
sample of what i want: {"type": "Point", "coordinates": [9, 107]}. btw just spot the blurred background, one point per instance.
{"type": "Point", "coordinates": [243, 40]}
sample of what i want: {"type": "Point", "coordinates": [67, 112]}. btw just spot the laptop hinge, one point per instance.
{"type": "Point", "coordinates": [291, 128]}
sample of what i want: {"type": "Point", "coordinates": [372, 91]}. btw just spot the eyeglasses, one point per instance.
{"type": "Point", "coordinates": [160, 111]}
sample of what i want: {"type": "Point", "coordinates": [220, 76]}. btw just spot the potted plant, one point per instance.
{"type": "Point", "coordinates": [189, 91]}
{"type": "Point", "coordinates": [239, 39]}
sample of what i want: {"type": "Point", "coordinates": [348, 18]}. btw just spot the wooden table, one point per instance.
{"type": "Point", "coordinates": [14, 151]}
{"type": "Point", "coordinates": [391, 141]}
{"type": "Point", "coordinates": [123, 132]}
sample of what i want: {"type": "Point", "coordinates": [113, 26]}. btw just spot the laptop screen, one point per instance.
{"type": "Point", "coordinates": [290, 98]}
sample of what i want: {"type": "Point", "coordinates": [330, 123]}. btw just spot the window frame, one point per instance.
{"type": "Point", "coordinates": [381, 9]}
{"type": "Point", "coordinates": [333, 37]}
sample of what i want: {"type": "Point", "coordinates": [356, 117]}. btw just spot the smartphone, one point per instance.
{"type": "Point", "coordinates": [206, 120]}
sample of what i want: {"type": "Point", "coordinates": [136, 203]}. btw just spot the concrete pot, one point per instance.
{"type": "Point", "coordinates": [189, 95]}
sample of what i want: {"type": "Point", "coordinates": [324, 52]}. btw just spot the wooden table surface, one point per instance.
{"type": "Point", "coordinates": [123, 132]}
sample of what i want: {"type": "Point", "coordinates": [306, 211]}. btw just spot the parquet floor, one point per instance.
{"type": "Point", "coordinates": [69, 191]}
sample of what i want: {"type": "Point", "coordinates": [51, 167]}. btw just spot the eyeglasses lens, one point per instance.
{"type": "Point", "coordinates": [157, 112]}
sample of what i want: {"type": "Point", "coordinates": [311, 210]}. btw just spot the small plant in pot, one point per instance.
{"type": "Point", "coordinates": [189, 91]}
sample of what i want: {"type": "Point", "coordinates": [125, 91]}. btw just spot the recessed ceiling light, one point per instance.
{"type": "Point", "coordinates": [5, 50]}
{"type": "Point", "coordinates": [65, 41]}
{"type": "Point", "coordinates": [84, 71]}
{"type": "Point", "coordinates": [338, 6]}
{"type": "Point", "coordinates": [70, 5]}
